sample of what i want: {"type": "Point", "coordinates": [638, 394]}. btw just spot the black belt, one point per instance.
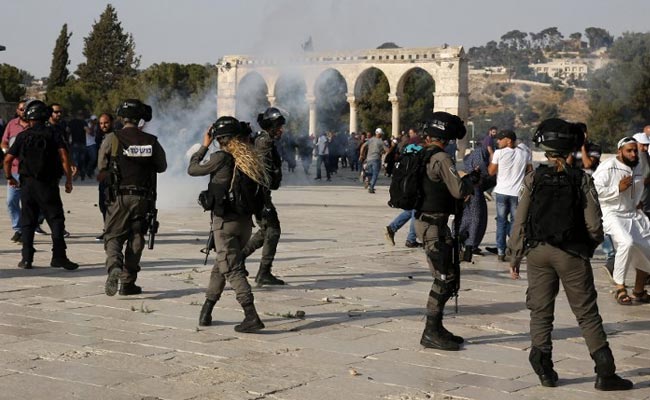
{"type": "Point", "coordinates": [435, 220]}
{"type": "Point", "coordinates": [133, 192]}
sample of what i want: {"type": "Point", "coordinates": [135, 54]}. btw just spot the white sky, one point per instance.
{"type": "Point", "coordinates": [201, 31]}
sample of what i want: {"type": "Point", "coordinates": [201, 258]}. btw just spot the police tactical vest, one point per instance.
{"type": "Point", "coordinates": [556, 213]}
{"type": "Point", "coordinates": [39, 157]}
{"type": "Point", "coordinates": [436, 195]}
{"type": "Point", "coordinates": [135, 158]}
{"type": "Point", "coordinates": [239, 195]}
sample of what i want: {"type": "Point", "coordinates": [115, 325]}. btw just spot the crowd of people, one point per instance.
{"type": "Point", "coordinates": [555, 216]}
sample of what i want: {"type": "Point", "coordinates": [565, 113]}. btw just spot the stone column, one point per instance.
{"type": "Point", "coordinates": [311, 100]}
{"type": "Point", "coordinates": [353, 113]}
{"type": "Point", "coordinates": [394, 101]}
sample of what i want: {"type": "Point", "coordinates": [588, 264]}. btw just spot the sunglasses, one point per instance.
{"type": "Point", "coordinates": [56, 111]}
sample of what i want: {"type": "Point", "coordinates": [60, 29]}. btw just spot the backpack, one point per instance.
{"type": "Point", "coordinates": [245, 196]}
{"type": "Point", "coordinates": [556, 214]}
{"type": "Point", "coordinates": [406, 182]}
{"type": "Point", "coordinates": [33, 155]}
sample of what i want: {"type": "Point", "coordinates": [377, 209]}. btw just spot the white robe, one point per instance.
{"type": "Point", "coordinates": [628, 227]}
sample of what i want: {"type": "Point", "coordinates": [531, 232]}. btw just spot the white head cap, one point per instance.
{"type": "Point", "coordinates": [379, 131]}
{"type": "Point", "coordinates": [641, 138]}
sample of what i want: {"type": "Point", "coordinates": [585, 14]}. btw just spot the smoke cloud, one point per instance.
{"type": "Point", "coordinates": [179, 126]}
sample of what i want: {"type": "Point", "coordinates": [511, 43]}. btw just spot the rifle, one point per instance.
{"type": "Point", "coordinates": [209, 245]}
{"type": "Point", "coordinates": [113, 177]}
{"type": "Point", "coordinates": [152, 215]}
{"type": "Point", "coordinates": [457, 243]}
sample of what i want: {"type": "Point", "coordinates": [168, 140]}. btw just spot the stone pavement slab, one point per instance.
{"type": "Point", "coordinates": [363, 304]}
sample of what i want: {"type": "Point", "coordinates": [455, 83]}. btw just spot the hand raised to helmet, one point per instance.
{"type": "Point", "coordinates": [207, 138]}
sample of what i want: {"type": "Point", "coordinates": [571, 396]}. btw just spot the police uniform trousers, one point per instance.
{"type": "Point", "coordinates": [39, 197]}
{"type": "Point", "coordinates": [267, 237]}
{"type": "Point", "coordinates": [547, 267]}
{"type": "Point", "coordinates": [229, 239]}
{"type": "Point", "coordinates": [125, 222]}
{"type": "Point", "coordinates": [436, 238]}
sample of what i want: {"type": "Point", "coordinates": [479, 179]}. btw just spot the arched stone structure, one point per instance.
{"type": "Point", "coordinates": [446, 65]}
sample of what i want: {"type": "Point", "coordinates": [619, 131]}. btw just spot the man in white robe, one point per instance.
{"type": "Point", "coordinates": [620, 187]}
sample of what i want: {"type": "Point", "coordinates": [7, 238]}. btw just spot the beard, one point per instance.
{"type": "Point", "coordinates": [630, 163]}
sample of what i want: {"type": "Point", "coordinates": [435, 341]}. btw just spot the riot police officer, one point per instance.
{"type": "Point", "coordinates": [43, 160]}
{"type": "Point", "coordinates": [234, 171]}
{"type": "Point", "coordinates": [557, 227]}
{"type": "Point", "coordinates": [441, 188]}
{"type": "Point", "coordinates": [129, 160]}
{"type": "Point", "coordinates": [268, 235]}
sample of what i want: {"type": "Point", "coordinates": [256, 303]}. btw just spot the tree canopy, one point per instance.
{"type": "Point", "coordinates": [12, 82]}
{"type": "Point", "coordinates": [619, 95]}
{"type": "Point", "coordinates": [110, 53]}
{"type": "Point", "coordinates": [59, 70]}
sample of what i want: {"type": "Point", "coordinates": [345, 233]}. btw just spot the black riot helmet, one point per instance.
{"type": "Point", "coordinates": [134, 110]}
{"type": "Point", "coordinates": [228, 126]}
{"type": "Point", "coordinates": [271, 118]}
{"type": "Point", "coordinates": [557, 136]}
{"type": "Point", "coordinates": [445, 126]}
{"type": "Point", "coordinates": [36, 110]}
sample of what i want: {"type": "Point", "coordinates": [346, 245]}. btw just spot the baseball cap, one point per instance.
{"type": "Point", "coordinates": [641, 138]}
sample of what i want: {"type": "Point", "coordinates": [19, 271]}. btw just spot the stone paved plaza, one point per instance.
{"type": "Point", "coordinates": [61, 337]}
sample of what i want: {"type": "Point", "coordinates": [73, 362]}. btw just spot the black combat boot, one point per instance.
{"type": "Point", "coordinates": [130, 289]}
{"type": "Point", "coordinates": [265, 277]}
{"type": "Point", "coordinates": [542, 363]}
{"type": "Point", "coordinates": [448, 335]}
{"type": "Point", "coordinates": [63, 262]}
{"type": "Point", "coordinates": [433, 336]}
{"type": "Point", "coordinates": [606, 378]}
{"type": "Point", "coordinates": [205, 318]}
{"type": "Point", "coordinates": [252, 322]}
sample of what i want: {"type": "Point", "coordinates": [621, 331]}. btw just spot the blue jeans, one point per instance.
{"type": "Point", "coordinates": [13, 204]}
{"type": "Point", "coordinates": [506, 207]}
{"type": "Point", "coordinates": [322, 160]}
{"type": "Point", "coordinates": [608, 247]}
{"type": "Point", "coordinates": [373, 168]}
{"type": "Point", "coordinates": [401, 219]}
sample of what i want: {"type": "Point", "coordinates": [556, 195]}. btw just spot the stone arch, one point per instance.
{"type": "Point", "coordinates": [359, 78]}
{"type": "Point", "coordinates": [380, 116]}
{"type": "Point", "coordinates": [330, 95]}
{"type": "Point", "coordinates": [252, 92]}
{"type": "Point", "coordinates": [447, 65]}
{"type": "Point", "coordinates": [423, 87]}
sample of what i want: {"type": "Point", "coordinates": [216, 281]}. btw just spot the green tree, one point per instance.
{"type": "Point", "coordinates": [598, 37]}
{"type": "Point", "coordinates": [619, 95]}
{"type": "Point", "coordinates": [416, 104]}
{"type": "Point", "coordinates": [374, 108]}
{"type": "Point", "coordinates": [110, 53]}
{"type": "Point", "coordinates": [74, 95]}
{"type": "Point", "coordinates": [551, 38]}
{"type": "Point", "coordinates": [59, 69]}
{"type": "Point", "coordinates": [576, 40]}
{"type": "Point", "coordinates": [172, 81]}
{"type": "Point", "coordinates": [11, 82]}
